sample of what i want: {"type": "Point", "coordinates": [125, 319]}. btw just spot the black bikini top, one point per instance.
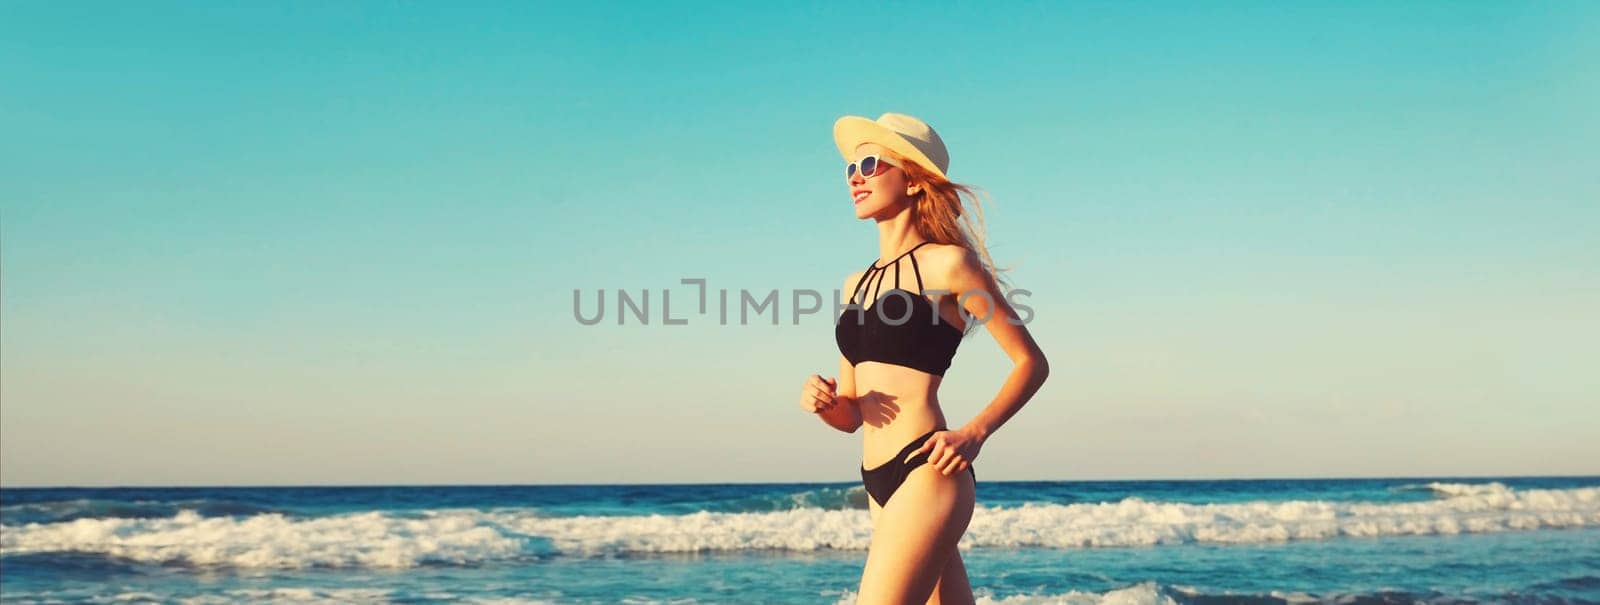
{"type": "Point", "coordinates": [900, 328]}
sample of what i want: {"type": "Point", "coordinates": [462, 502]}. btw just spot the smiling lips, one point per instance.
{"type": "Point", "coordinates": [860, 194]}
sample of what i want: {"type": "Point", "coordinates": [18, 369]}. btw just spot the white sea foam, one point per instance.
{"type": "Point", "coordinates": [1450, 490]}
{"type": "Point", "coordinates": [466, 536]}
{"type": "Point", "coordinates": [276, 595]}
{"type": "Point", "coordinates": [296, 595]}
{"type": "Point", "coordinates": [1146, 593]}
{"type": "Point", "coordinates": [1134, 521]}
{"type": "Point", "coordinates": [371, 539]}
{"type": "Point", "coordinates": [1453, 490]}
{"type": "Point", "coordinates": [1153, 593]}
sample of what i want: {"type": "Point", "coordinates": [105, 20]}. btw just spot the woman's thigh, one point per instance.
{"type": "Point", "coordinates": [914, 536]}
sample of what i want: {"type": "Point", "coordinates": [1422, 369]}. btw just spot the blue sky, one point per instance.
{"type": "Point", "coordinates": [337, 244]}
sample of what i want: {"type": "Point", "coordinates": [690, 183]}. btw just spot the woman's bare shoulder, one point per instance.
{"type": "Point", "coordinates": [948, 262]}
{"type": "Point", "coordinates": [850, 282]}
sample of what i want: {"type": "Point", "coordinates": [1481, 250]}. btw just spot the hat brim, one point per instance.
{"type": "Point", "coordinates": [850, 132]}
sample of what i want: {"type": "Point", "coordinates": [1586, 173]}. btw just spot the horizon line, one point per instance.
{"type": "Point", "coordinates": [721, 483]}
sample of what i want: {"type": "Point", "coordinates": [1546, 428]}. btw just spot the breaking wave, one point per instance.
{"type": "Point", "coordinates": [810, 521]}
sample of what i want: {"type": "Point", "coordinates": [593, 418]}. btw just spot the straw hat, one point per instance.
{"type": "Point", "coordinates": [899, 132]}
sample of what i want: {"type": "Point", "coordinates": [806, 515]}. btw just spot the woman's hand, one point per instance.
{"type": "Point", "coordinates": [950, 451]}
{"type": "Point", "coordinates": [817, 395]}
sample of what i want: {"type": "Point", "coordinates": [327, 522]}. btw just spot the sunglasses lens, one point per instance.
{"type": "Point", "coordinates": [869, 165]}
{"type": "Point", "coordinates": [850, 170]}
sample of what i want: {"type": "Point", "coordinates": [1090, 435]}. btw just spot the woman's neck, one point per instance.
{"type": "Point", "coordinates": [896, 235]}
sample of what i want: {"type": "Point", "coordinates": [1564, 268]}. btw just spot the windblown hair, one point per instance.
{"type": "Point", "coordinates": [940, 214]}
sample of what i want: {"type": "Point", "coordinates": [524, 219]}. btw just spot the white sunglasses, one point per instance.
{"type": "Point", "coordinates": [869, 165]}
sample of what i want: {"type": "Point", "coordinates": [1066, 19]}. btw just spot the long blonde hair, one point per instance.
{"type": "Point", "coordinates": [939, 214]}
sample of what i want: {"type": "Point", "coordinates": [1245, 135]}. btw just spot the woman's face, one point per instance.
{"type": "Point", "coordinates": [883, 194]}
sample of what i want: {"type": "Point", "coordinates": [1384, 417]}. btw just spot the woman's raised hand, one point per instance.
{"type": "Point", "coordinates": [817, 395]}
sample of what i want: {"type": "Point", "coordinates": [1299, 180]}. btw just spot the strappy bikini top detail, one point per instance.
{"type": "Point", "coordinates": [900, 328]}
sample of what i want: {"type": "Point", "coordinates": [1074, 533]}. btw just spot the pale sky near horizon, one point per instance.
{"type": "Point", "coordinates": [308, 244]}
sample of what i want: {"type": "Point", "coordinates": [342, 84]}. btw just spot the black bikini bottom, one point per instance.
{"type": "Point", "coordinates": [883, 480]}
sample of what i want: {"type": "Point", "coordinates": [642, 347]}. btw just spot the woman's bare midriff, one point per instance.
{"type": "Point", "coordinates": [897, 404]}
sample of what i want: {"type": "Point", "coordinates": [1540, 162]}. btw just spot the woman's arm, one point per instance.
{"type": "Point", "coordinates": [1030, 368]}
{"type": "Point", "coordinates": [836, 400]}
{"type": "Point", "coordinates": [843, 414]}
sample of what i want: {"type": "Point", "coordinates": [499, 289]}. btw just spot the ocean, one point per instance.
{"type": "Point", "coordinates": [1395, 540]}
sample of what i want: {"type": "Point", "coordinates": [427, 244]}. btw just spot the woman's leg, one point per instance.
{"type": "Point", "coordinates": [953, 587]}
{"type": "Point", "coordinates": [915, 536]}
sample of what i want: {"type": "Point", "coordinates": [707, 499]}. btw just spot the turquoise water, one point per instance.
{"type": "Point", "coordinates": [1394, 540]}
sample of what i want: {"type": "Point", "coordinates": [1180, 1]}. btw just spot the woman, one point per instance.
{"type": "Point", "coordinates": [895, 345]}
